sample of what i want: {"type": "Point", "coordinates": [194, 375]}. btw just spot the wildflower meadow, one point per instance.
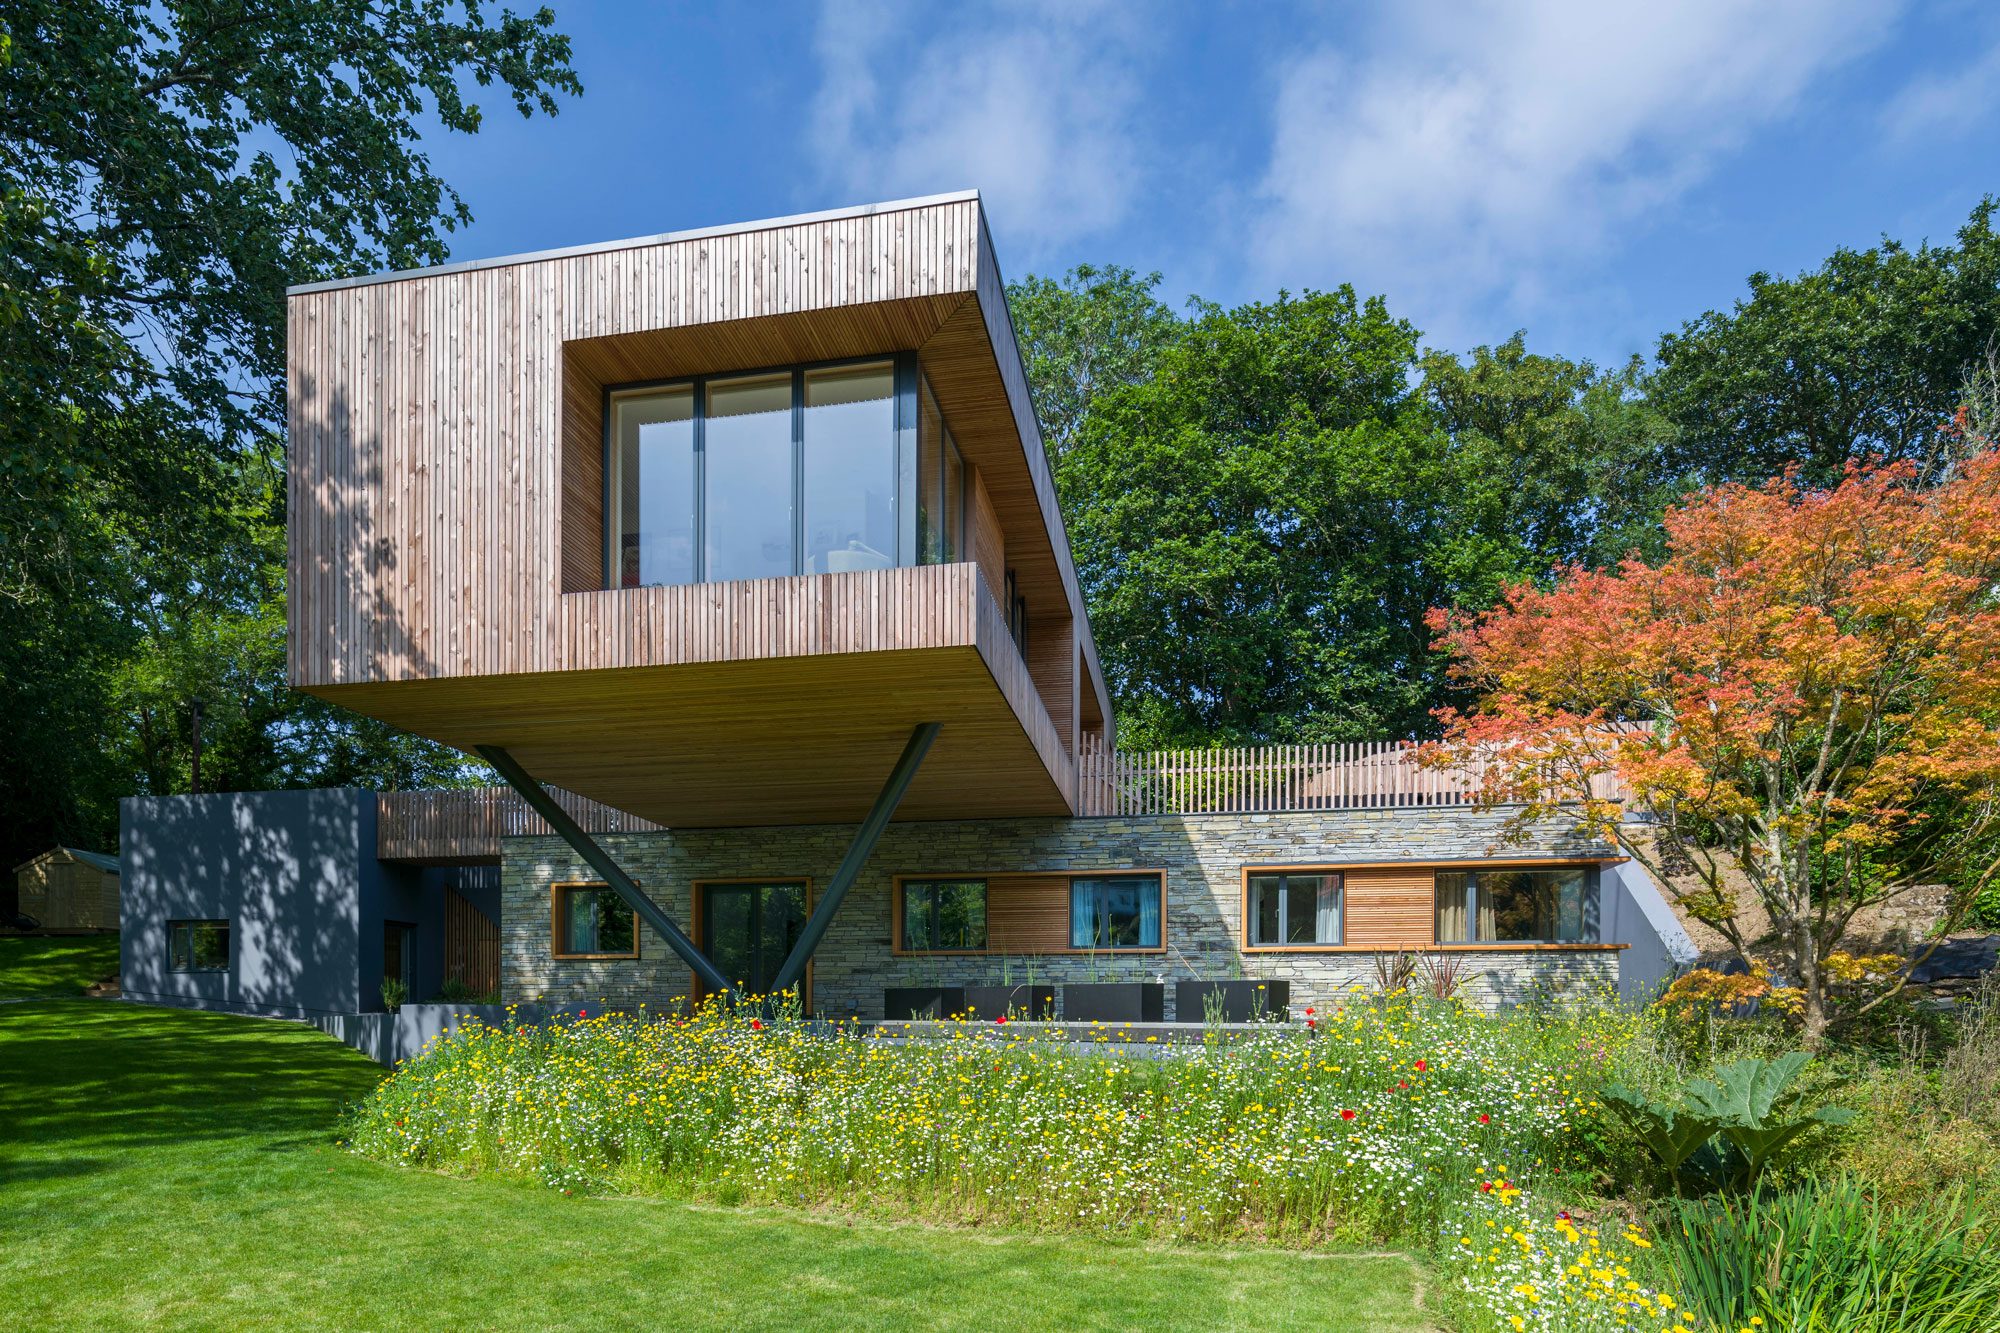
{"type": "Point", "coordinates": [1382, 1120]}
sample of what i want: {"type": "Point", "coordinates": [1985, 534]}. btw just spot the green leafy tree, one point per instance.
{"type": "Point", "coordinates": [1584, 450]}
{"type": "Point", "coordinates": [1083, 335]}
{"type": "Point", "coordinates": [165, 170]}
{"type": "Point", "coordinates": [1865, 355]}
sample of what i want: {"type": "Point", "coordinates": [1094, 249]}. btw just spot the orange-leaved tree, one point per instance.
{"type": "Point", "coordinates": [1807, 686]}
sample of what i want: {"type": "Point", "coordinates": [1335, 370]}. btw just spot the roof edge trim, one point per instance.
{"type": "Point", "coordinates": [634, 242]}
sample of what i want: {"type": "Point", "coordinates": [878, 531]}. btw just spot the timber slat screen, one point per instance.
{"type": "Point", "coordinates": [471, 945]}
{"type": "Point", "coordinates": [466, 824]}
{"type": "Point", "coordinates": [1247, 779]}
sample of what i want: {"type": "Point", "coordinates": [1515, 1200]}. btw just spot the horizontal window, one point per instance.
{"type": "Point", "coordinates": [1116, 911]}
{"type": "Point", "coordinates": [198, 946]}
{"type": "Point", "coordinates": [811, 470]}
{"type": "Point", "coordinates": [1517, 905]}
{"type": "Point", "coordinates": [1294, 908]}
{"type": "Point", "coordinates": [944, 915]}
{"type": "Point", "coordinates": [593, 922]}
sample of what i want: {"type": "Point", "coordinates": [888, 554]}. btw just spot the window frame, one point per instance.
{"type": "Point", "coordinates": [900, 923]}
{"type": "Point", "coordinates": [188, 923]}
{"type": "Point", "coordinates": [1157, 877]}
{"type": "Point", "coordinates": [905, 376]}
{"type": "Point", "coordinates": [559, 930]}
{"type": "Point", "coordinates": [1591, 906]}
{"type": "Point", "coordinates": [1250, 872]}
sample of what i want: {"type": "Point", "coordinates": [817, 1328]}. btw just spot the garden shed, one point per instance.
{"type": "Point", "coordinates": [66, 888]}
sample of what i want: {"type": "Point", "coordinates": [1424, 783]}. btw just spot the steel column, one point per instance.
{"type": "Point", "coordinates": [857, 854]}
{"type": "Point", "coordinates": [539, 800]}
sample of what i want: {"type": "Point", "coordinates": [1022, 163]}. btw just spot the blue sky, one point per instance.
{"type": "Point", "coordinates": [1595, 173]}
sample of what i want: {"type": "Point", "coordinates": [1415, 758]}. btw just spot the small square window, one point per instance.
{"type": "Point", "coordinates": [1116, 912]}
{"type": "Point", "coordinates": [1294, 909]}
{"type": "Point", "coordinates": [197, 946]}
{"type": "Point", "coordinates": [944, 915]}
{"type": "Point", "coordinates": [593, 922]}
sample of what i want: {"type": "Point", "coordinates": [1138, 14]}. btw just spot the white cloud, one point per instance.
{"type": "Point", "coordinates": [1467, 153]}
{"type": "Point", "coordinates": [1033, 104]}
{"type": "Point", "coordinates": [1961, 102]}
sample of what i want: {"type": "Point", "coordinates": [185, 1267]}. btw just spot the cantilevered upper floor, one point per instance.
{"type": "Point", "coordinates": [697, 525]}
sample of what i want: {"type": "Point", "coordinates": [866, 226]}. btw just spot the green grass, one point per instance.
{"type": "Point", "coordinates": [162, 1167]}
{"type": "Point", "coordinates": [64, 965]}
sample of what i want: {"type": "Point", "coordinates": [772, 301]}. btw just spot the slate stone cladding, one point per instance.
{"type": "Point", "coordinates": [1203, 856]}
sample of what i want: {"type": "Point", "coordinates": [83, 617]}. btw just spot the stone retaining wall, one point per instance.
{"type": "Point", "coordinates": [1203, 856]}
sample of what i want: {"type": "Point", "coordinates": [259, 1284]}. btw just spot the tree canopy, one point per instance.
{"type": "Point", "coordinates": [167, 170]}
{"type": "Point", "coordinates": [1803, 686]}
{"type": "Point", "coordinates": [1862, 357]}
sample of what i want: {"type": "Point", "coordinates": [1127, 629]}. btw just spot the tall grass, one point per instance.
{"type": "Point", "coordinates": [1831, 1259]}
{"type": "Point", "coordinates": [1375, 1123]}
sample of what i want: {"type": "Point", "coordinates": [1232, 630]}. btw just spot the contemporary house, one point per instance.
{"type": "Point", "coordinates": [736, 552]}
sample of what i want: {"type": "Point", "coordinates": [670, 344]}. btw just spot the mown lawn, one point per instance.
{"type": "Point", "coordinates": [63, 965]}
{"type": "Point", "coordinates": [160, 1167]}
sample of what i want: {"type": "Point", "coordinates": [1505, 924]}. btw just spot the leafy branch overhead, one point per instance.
{"type": "Point", "coordinates": [169, 170]}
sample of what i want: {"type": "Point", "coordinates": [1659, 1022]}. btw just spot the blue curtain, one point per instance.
{"type": "Point", "coordinates": [1149, 914]}
{"type": "Point", "coordinates": [1082, 914]}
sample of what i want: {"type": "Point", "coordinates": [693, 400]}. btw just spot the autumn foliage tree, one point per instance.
{"type": "Point", "coordinates": [1806, 686]}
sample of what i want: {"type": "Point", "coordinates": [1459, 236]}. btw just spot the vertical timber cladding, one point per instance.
{"type": "Point", "coordinates": [1203, 856]}
{"type": "Point", "coordinates": [434, 519]}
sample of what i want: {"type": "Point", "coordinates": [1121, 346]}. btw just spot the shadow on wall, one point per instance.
{"type": "Point", "coordinates": [361, 533]}
{"type": "Point", "coordinates": [288, 871]}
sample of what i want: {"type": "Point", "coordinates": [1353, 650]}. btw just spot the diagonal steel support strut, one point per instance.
{"type": "Point", "coordinates": [857, 855]}
{"type": "Point", "coordinates": [538, 798]}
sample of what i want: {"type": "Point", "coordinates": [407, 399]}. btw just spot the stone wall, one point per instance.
{"type": "Point", "coordinates": [1203, 856]}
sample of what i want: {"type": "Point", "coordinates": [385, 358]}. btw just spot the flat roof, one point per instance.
{"type": "Point", "coordinates": [694, 234]}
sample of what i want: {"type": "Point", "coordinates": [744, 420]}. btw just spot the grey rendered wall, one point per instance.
{"type": "Point", "coordinates": [288, 870]}
{"type": "Point", "coordinates": [1634, 912]}
{"type": "Point", "coordinates": [1202, 855]}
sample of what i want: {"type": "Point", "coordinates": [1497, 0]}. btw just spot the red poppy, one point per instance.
{"type": "Point", "coordinates": [1563, 1215]}
{"type": "Point", "coordinates": [1421, 1066]}
{"type": "Point", "coordinates": [1310, 1011]}
{"type": "Point", "coordinates": [1401, 1084]}
{"type": "Point", "coordinates": [1001, 1019]}
{"type": "Point", "coordinates": [1347, 1115]}
{"type": "Point", "coordinates": [1312, 1023]}
{"type": "Point", "coordinates": [1486, 1187]}
{"type": "Point", "coordinates": [1485, 1119]}
{"type": "Point", "coordinates": [756, 1025]}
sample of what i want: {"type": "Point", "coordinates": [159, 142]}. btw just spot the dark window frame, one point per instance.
{"type": "Point", "coordinates": [221, 924]}
{"type": "Point", "coordinates": [559, 923]}
{"type": "Point", "coordinates": [934, 883]}
{"type": "Point", "coordinates": [1590, 907]}
{"type": "Point", "coordinates": [1157, 880]}
{"type": "Point", "coordinates": [905, 376]}
{"type": "Point", "coordinates": [1251, 874]}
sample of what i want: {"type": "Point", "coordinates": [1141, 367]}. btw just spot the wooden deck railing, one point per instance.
{"type": "Point", "coordinates": [466, 824]}
{"type": "Point", "coordinates": [1247, 779]}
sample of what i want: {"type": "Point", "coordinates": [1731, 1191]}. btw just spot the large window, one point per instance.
{"type": "Point", "coordinates": [590, 921]}
{"type": "Point", "coordinates": [1293, 908]}
{"type": "Point", "coordinates": [197, 946]}
{"type": "Point", "coordinates": [940, 487]}
{"type": "Point", "coordinates": [1115, 912]}
{"type": "Point", "coordinates": [850, 479]}
{"type": "Point", "coordinates": [812, 470]}
{"type": "Point", "coordinates": [944, 915]}
{"type": "Point", "coordinates": [1517, 905]}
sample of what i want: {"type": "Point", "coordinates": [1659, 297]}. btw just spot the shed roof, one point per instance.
{"type": "Point", "coordinates": [98, 860]}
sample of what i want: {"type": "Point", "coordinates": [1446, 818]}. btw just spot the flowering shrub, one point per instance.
{"type": "Point", "coordinates": [1364, 1124]}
